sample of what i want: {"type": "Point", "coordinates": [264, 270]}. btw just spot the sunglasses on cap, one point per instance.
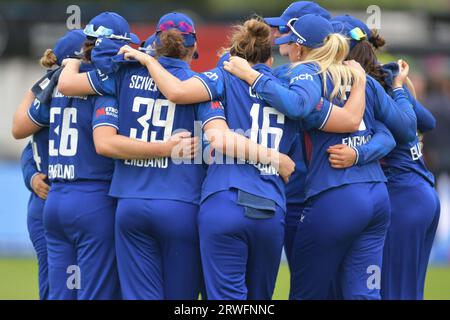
{"type": "Point", "coordinates": [285, 29]}
{"type": "Point", "coordinates": [357, 34]}
{"type": "Point", "coordinates": [290, 25]}
{"type": "Point", "coordinates": [102, 32]}
{"type": "Point", "coordinates": [182, 26]}
{"type": "Point", "coordinates": [150, 50]}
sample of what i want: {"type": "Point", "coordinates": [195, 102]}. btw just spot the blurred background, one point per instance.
{"type": "Point", "coordinates": [416, 30]}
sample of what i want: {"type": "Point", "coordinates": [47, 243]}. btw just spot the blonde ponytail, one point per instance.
{"type": "Point", "coordinates": [330, 58]}
{"type": "Point", "coordinates": [48, 59]}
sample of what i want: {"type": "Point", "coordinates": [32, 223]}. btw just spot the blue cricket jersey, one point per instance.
{"type": "Point", "coordinates": [39, 113]}
{"type": "Point", "coordinates": [304, 92]}
{"type": "Point", "coordinates": [295, 189]}
{"type": "Point", "coordinates": [247, 112]}
{"type": "Point", "coordinates": [145, 114]}
{"type": "Point", "coordinates": [408, 156]}
{"type": "Point", "coordinates": [72, 154]}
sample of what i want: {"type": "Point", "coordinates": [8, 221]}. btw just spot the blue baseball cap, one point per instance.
{"type": "Point", "coordinates": [180, 22]}
{"type": "Point", "coordinates": [69, 46]}
{"type": "Point", "coordinates": [148, 46]}
{"type": "Point", "coordinates": [110, 25]}
{"type": "Point", "coordinates": [352, 28]}
{"type": "Point", "coordinates": [355, 23]}
{"type": "Point", "coordinates": [297, 10]}
{"type": "Point", "coordinates": [309, 31]}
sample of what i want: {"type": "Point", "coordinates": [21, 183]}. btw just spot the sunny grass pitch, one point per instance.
{"type": "Point", "coordinates": [19, 281]}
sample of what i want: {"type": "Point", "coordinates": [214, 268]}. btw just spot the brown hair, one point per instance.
{"type": "Point", "coordinates": [172, 45]}
{"type": "Point", "coordinates": [376, 39]}
{"type": "Point", "coordinates": [251, 41]}
{"type": "Point", "coordinates": [88, 45]}
{"type": "Point", "coordinates": [364, 53]}
{"type": "Point", "coordinates": [48, 59]}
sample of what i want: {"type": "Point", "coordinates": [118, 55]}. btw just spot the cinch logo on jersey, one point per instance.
{"type": "Point", "coordinates": [161, 163]}
{"type": "Point", "coordinates": [59, 171]}
{"type": "Point", "coordinates": [142, 83]}
{"type": "Point", "coordinates": [356, 140]}
{"type": "Point", "coordinates": [107, 111]}
{"type": "Point", "coordinates": [102, 75]}
{"type": "Point", "coordinates": [212, 75]}
{"type": "Point", "coordinates": [303, 76]}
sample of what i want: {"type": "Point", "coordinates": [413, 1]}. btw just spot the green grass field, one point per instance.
{"type": "Point", "coordinates": [18, 280]}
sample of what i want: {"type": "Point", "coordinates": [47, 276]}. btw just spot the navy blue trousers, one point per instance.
{"type": "Point", "coordinates": [36, 232]}
{"type": "Point", "coordinates": [158, 252]}
{"type": "Point", "coordinates": [79, 228]}
{"type": "Point", "coordinates": [240, 255]}
{"type": "Point", "coordinates": [340, 238]}
{"type": "Point", "coordinates": [414, 220]}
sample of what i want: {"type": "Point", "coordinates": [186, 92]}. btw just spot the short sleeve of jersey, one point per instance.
{"type": "Point", "coordinates": [210, 110]}
{"type": "Point", "coordinates": [101, 83]}
{"type": "Point", "coordinates": [39, 113]}
{"type": "Point", "coordinates": [106, 112]}
{"type": "Point", "coordinates": [213, 81]}
{"type": "Point", "coordinates": [318, 117]}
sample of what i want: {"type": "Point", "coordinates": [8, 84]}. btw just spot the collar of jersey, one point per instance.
{"type": "Point", "coordinates": [263, 68]}
{"type": "Point", "coordinates": [173, 62]}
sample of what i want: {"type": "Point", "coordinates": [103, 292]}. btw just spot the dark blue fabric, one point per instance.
{"type": "Point", "coordinates": [341, 236]}
{"type": "Point", "coordinates": [36, 232]}
{"type": "Point", "coordinates": [415, 211]}
{"type": "Point", "coordinates": [240, 255]}
{"type": "Point", "coordinates": [158, 251]}
{"type": "Point", "coordinates": [79, 228]}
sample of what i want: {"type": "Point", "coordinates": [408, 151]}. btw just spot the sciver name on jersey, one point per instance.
{"type": "Point", "coordinates": [145, 114]}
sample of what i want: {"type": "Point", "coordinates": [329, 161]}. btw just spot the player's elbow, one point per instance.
{"type": "Point", "coordinates": [175, 95]}
{"type": "Point", "coordinates": [18, 133]}
{"type": "Point", "coordinates": [390, 144]}
{"type": "Point", "coordinates": [353, 123]}
{"type": "Point", "coordinates": [65, 87]}
{"type": "Point", "coordinates": [102, 148]}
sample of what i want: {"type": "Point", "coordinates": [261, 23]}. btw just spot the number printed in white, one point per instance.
{"type": "Point", "coordinates": [167, 124]}
{"type": "Point", "coordinates": [68, 143]}
{"type": "Point", "coordinates": [143, 121]}
{"type": "Point", "coordinates": [153, 112]}
{"type": "Point", "coordinates": [37, 159]}
{"type": "Point", "coordinates": [266, 129]}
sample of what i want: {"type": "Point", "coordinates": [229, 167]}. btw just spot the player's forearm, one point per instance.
{"type": "Point", "coordinates": [169, 85]}
{"type": "Point", "coordinates": [22, 125]}
{"type": "Point", "coordinates": [355, 106]}
{"type": "Point", "coordinates": [237, 146]}
{"type": "Point", "coordinates": [121, 147]}
{"type": "Point", "coordinates": [73, 83]}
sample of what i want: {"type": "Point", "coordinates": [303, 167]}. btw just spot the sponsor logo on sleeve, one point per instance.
{"type": "Point", "coordinates": [107, 111]}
